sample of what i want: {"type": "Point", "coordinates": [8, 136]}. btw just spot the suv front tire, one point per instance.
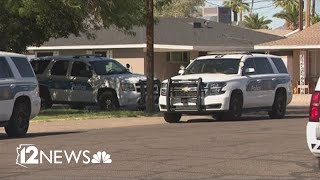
{"type": "Point", "coordinates": [19, 122]}
{"type": "Point", "coordinates": [172, 117]}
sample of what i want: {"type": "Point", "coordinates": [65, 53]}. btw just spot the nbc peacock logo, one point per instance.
{"type": "Point", "coordinates": [101, 158]}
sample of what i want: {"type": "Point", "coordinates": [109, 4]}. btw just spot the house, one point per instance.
{"type": "Point", "coordinates": [302, 50]}
{"type": "Point", "coordinates": [176, 42]}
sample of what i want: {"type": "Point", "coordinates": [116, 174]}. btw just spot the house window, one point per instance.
{"type": "Point", "coordinates": [179, 57]}
{"type": "Point", "coordinates": [47, 53]}
{"type": "Point", "coordinates": [107, 53]}
{"type": "Point", "coordinates": [44, 54]}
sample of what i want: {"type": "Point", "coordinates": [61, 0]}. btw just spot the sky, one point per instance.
{"type": "Point", "coordinates": [264, 8]}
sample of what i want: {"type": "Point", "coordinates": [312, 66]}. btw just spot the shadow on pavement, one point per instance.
{"type": "Point", "coordinates": [3, 136]}
{"type": "Point", "coordinates": [244, 119]}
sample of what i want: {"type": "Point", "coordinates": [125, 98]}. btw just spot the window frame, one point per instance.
{"type": "Point", "coordinates": [266, 60]}
{"type": "Point", "coordinates": [183, 58]}
{"type": "Point", "coordinates": [17, 60]}
{"type": "Point", "coordinates": [9, 68]}
{"type": "Point", "coordinates": [67, 71]}
{"type": "Point", "coordinates": [71, 70]}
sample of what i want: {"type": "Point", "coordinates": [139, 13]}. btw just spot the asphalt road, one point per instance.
{"type": "Point", "coordinates": [254, 148]}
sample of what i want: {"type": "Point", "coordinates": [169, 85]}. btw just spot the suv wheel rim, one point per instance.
{"type": "Point", "coordinates": [236, 109]}
{"type": "Point", "coordinates": [109, 104]}
{"type": "Point", "coordinates": [280, 106]}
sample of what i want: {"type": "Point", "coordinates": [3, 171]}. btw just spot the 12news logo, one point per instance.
{"type": "Point", "coordinates": [29, 154]}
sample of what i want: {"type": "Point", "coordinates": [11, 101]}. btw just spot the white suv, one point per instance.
{"type": "Point", "coordinates": [313, 127]}
{"type": "Point", "coordinates": [19, 94]}
{"type": "Point", "coordinates": [225, 85]}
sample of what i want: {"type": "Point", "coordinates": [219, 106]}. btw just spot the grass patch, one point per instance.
{"type": "Point", "coordinates": [71, 114]}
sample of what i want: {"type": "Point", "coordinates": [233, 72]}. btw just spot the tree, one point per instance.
{"type": "Point", "coordinates": [180, 8]}
{"type": "Point", "coordinates": [32, 22]}
{"type": "Point", "coordinates": [253, 21]}
{"type": "Point", "coordinates": [315, 19]}
{"type": "Point", "coordinates": [237, 6]}
{"type": "Point", "coordinates": [291, 15]}
{"type": "Point", "coordinates": [285, 3]}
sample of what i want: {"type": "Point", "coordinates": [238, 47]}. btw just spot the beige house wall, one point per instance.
{"type": "Point", "coordinates": [163, 69]}
{"type": "Point", "coordinates": [136, 64]}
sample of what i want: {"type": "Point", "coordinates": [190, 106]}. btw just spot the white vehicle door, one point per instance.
{"type": "Point", "coordinates": [6, 92]}
{"type": "Point", "coordinates": [59, 82]}
{"type": "Point", "coordinates": [259, 85]}
{"type": "Point", "coordinates": [81, 89]}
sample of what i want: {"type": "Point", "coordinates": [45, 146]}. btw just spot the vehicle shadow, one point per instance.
{"type": "Point", "coordinates": [243, 119]}
{"type": "Point", "coordinates": [3, 136]}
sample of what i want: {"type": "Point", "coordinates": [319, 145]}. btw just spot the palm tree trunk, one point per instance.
{"type": "Point", "coordinates": [241, 16]}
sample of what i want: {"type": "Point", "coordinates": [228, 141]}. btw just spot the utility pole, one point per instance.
{"type": "Point", "coordinates": [300, 15]}
{"type": "Point", "coordinates": [308, 13]}
{"type": "Point", "coordinates": [150, 56]}
{"type": "Point", "coordinates": [313, 10]}
{"type": "Point", "coordinates": [251, 10]}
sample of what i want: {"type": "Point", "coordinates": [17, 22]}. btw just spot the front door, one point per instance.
{"type": "Point", "coordinates": [81, 89]}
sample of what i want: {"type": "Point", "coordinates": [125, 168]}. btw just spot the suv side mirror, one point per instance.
{"type": "Point", "coordinates": [181, 71]}
{"type": "Point", "coordinates": [249, 70]}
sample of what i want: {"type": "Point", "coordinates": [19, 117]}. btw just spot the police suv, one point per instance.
{"type": "Point", "coordinates": [19, 94]}
{"type": "Point", "coordinates": [225, 85]}
{"type": "Point", "coordinates": [88, 80]}
{"type": "Point", "coordinates": [313, 126]}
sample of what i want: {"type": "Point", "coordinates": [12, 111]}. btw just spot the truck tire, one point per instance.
{"type": "Point", "coordinates": [279, 106]}
{"type": "Point", "coordinates": [19, 122]}
{"type": "Point", "coordinates": [172, 117]}
{"type": "Point", "coordinates": [235, 107]}
{"type": "Point", "coordinates": [108, 101]}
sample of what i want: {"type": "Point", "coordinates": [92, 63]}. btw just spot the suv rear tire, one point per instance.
{"type": "Point", "coordinates": [19, 122]}
{"type": "Point", "coordinates": [108, 101]}
{"type": "Point", "coordinates": [172, 117]}
{"type": "Point", "coordinates": [279, 106]}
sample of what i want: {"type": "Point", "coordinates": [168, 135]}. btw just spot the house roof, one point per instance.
{"type": "Point", "coordinates": [169, 33]}
{"type": "Point", "coordinates": [308, 38]}
{"type": "Point", "coordinates": [277, 32]}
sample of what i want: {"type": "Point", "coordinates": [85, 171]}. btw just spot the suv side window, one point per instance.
{"type": "Point", "coordinates": [60, 68]}
{"type": "Point", "coordinates": [249, 63]}
{"type": "Point", "coordinates": [80, 69]}
{"type": "Point", "coordinates": [280, 65]}
{"type": "Point", "coordinates": [23, 66]}
{"type": "Point", "coordinates": [263, 66]}
{"type": "Point", "coordinates": [39, 66]}
{"type": "Point", "coordinates": [5, 70]}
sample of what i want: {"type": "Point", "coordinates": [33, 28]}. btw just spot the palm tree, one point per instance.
{"type": "Point", "coordinates": [290, 14]}
{"type": "Point", "coordinates": [237, 6]}
{"type": "Point", "coordinates": [313, 9]}
{"type": "Point", "coordinates": [285, 3]}
{"type": "Point", "coordinates": [253, 21]}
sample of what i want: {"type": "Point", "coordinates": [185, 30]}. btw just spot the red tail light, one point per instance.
{"type": "Point", "coordinates": [314, 107]}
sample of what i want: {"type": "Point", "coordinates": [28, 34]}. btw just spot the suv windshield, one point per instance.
{"type": "Point", "coordinates": [223, 66]}
{"type": "Point", "coordinates": [107, 67]}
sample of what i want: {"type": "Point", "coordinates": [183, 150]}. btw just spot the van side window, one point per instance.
{"type": "Point", "coordinates": [263, 66]}
{"type": "Point", "coordinates": [60, 68]}
{"type": "Point", "coordinates": [23, 66]}
{"type": "Point", "coordinates": [5, 71]}
{"type": "Point", "coordinates": [280, 65]}
{"type": "Point", "coordinates": [39, 66]}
